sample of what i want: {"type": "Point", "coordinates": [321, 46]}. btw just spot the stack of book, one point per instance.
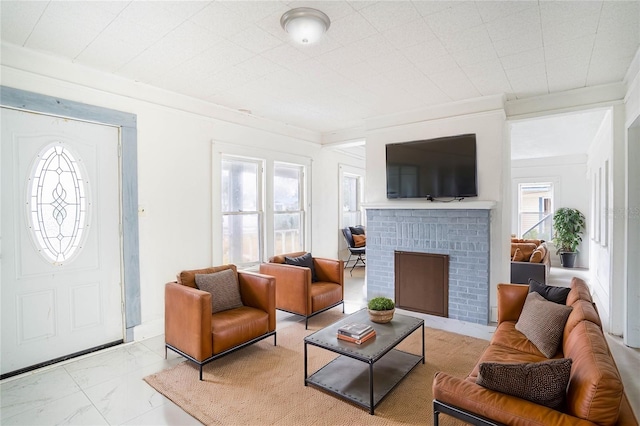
{"type": "Point", "coordinates": [356, 333]}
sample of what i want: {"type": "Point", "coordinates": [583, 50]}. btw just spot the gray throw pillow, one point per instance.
{"type": "Point", "coordinates": [224, 289]}
{"type": "Point", "coordinates": [306, 261]}
{"type": "Point", "coordinates": [542, 322]}
{"type": "Point", "coordinates": [550, 292]}
{"type": "Point", "coordinates": [544, 383]}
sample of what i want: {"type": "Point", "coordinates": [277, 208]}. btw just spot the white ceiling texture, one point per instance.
{"type": "Point", "coordinates": [377, 58]}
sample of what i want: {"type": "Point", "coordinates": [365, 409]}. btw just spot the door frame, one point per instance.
{"type": "Point", "coordinates": [127, 123]}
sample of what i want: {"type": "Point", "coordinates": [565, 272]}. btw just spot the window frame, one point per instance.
{"type": "Point", "coordinates": [222, 149]}
{"type": "Point", "coordinates": [260, 212]}
{"type": "Point", "coordinates": [301, 202]}
{"type": "Point", "coordinates": [350, 171]}
{"type": "Point", "coordinates": [520, 185]}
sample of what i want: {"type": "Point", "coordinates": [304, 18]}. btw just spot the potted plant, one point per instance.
{"type": "Point", "coordinates": [381, 309]}
{"type": "Point", "coordinates": [568, 227]}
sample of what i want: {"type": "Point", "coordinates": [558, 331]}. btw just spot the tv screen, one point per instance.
{"type": "Point", "coordinates": [432, 168]}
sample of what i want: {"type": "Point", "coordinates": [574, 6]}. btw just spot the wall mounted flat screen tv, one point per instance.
{"type": "Point", "coordinates": [432, 168]}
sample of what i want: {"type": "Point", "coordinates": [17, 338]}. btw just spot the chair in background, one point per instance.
{"type": "Point", "coordinates": [306, 291]}
{"type": "Point", "coordinates": [357, 249]}
{"type": "Point", "coordinates": [196, 328]}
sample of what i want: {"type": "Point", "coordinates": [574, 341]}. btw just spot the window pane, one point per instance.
{"type": "Point", "coordinates": [351, 219]}
{"type": "Point", "coordinates": [350, 194]}
{"type": "Point", "coordinates": [286, 188]}
{"type": "Point", "coordinates": [239, 186]}
{"type": "Point", "coordinates": [287, 230]}
{"type": "Point", "coordinates": [240, 238]}
{"type": "Point", "coordinates": [536, 210]}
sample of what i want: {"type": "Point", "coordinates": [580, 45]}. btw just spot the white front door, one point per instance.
{"type": "Point", "coordinates": [61, 262]}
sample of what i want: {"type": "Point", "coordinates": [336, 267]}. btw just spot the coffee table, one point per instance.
{"type": "Point", "coordinates": [364, 374]}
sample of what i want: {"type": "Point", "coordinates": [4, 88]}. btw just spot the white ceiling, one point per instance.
{"type": "Point", "coordinates": [377, 58]}
{"type": "Point", "coordinates": [555, 136]}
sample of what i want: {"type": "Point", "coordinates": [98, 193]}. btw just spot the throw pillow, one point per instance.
{"type": "Point", "coordinates": [544, 383]}
{"type": "Point", "coordinates": [518, 256]}
{"type": "Point", "coordinates": [224, 289]}
{"type": "Point", "coordinates": [550, 292]}
{"type": "Point", "coordinates": [356, 230]}
{"type": "Point", "coordinates": [542, 322]}
{"type": "Point", "coordinates": [306, 261]}
{"type": "Point", "coordinates": [359, 240]}
{"type": "Point", "coordinates": [538, 254]}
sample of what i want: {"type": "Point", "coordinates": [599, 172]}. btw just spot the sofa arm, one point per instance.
{"type": "Point", "coordinates": [187, 320]}
{"type": "Point", "coordinates": [511, 299]}
{"type": "Point", "coordinates": [330, 270]}
{"type": "Point", "coordinates": [293, 292]}
{"type": "Point", "coordinates": [259, 291]}
{"type": "Point", "coordinates": [497, 406]}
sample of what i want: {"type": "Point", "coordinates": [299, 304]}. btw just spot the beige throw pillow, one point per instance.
{"type": "Point", "coordinates": [542, 322]}
{"type": "Point", "coordinates": [224, 289]}
{"type": "Point", "coordinates": [543, 382]}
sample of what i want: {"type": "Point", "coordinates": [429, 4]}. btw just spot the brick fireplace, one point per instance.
{"type": "Point", "coordinates": [462, 234]}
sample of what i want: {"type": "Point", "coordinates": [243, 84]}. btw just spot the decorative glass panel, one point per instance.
{"type": "Point", "coordinates": [57, 203]}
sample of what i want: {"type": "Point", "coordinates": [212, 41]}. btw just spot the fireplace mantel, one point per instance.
{"type": "Point", "coordinates": [424, 204]}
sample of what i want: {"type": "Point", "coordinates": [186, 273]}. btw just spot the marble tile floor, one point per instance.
{"type": "Point", "coordinates": [106, 388]}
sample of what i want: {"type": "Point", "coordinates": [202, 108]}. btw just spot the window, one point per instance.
{"type": "Point", "coordinates": [242, 213]}
{"type": "Point", "coordinates": [351, 212]}
{"type": "Point", "coordinates": [288, 208]}
{"type": "Point", "coordinates": [58, 207]}
{"type": "Point", "coordinates": [535, 210]}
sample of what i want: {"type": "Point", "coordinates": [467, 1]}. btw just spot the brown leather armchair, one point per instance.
{"type": "Point", "coordinates": [200, 336]}
{"type": "Point", "coordinates": [297, 294]}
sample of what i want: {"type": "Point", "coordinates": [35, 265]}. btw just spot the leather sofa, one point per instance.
{"type": "Point", "coordinates": [297, 293]}
{"type": "Point", "coordinates": [193, 331]}
{"type": "Point", "coordinates": [534, 261]}
{"type": "Point", "coordinates": [594, 396]}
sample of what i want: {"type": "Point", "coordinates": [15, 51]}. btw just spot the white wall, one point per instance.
{"type": "Point", "coordinates": [176, 166]}
{"type": "Point", "coordinates": [493, 158]}
{"type": "Point", "coordinates": [601, 168]}
{"type": "Point", "coordinates": [627, 298]}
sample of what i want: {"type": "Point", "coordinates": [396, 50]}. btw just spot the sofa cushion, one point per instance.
{"type": "Point", "coordinates": [224, 289]}
{"type": "Point", "coordinates": [582, 311]}
{"type": "Point", "coordinates": [526, 249]}
{"type": "Point", "coordinates": [507, 336]}
{"type": "Point", "coordinates": [595, 389]}
{"type": "Point", "coordinates": [579, 291]}
{"type": "Point", "coordinates": [356, 230]}
{"type": "Point", "coordinates": [538, 254]}
{"type": "Point", "coordinates": [306, 261]}
{"type": "Point", "coordinates": [550, 292]}
{"type": "Point", "coordinates": [543, 323]}
{"type": "Point", "coordinates": [359, 240]}
{"type": "Point", "coordinates": [543, 382]}
{"type": "Point", "coordinates": [518, 256]}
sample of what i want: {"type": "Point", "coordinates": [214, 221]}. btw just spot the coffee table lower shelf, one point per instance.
{"type": "Point", "coordinates": [350, 379]}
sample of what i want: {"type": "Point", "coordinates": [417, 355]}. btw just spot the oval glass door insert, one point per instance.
{"type": "Point", "coordinates": [58, 205]}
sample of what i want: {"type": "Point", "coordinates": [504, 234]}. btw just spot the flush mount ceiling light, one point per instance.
{"type": "Point", "coordinates": [304, 24]}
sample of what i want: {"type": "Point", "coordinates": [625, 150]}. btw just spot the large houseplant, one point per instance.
{"type": "Point", "coordinates": [568, 227]}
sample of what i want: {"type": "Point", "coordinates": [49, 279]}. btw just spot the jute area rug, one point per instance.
{"type": "Point", "coordinates": [264, 384]}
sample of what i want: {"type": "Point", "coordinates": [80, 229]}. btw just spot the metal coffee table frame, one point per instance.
{"type": "Point", "coordinates": [364, 374]}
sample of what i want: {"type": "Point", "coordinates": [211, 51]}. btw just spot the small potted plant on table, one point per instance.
{"type": "Point", "coordinates": [381, 309]}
